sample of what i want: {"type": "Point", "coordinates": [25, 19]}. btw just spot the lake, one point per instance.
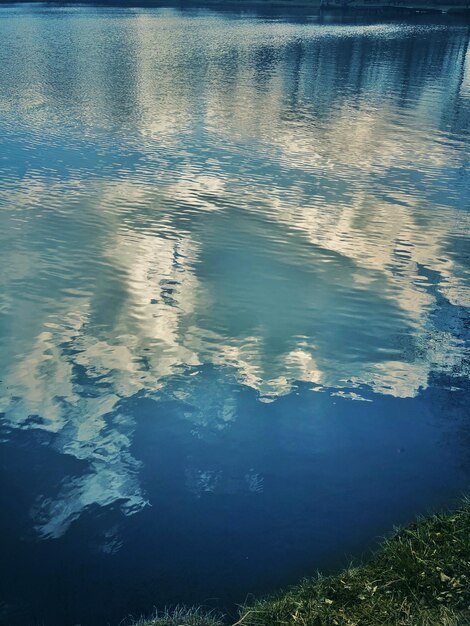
{"type": "Point", "coordinates": [235, 290]}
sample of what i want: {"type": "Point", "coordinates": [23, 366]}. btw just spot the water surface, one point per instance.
{"type": "Point", "coordinates": [235, 284]}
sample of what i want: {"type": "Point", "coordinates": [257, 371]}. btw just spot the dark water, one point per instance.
{"type": "Point", "coordinates": [235, 280]}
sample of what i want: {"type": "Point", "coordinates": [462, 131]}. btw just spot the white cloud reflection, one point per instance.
{"type": "Point", "coordinates": [254, 232]}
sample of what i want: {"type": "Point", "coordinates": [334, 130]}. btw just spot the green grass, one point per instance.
{"type": "Point", "coordinates": [419, 577]}
{"type": "Point", "coordinates": [183, 616]}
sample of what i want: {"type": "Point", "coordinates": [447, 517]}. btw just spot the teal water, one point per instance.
{"type": "Point", "coordinates": [235, 280]}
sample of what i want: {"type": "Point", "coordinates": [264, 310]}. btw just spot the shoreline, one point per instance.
{"type": "Point", "coordinates": [420, 576]}
{"type": "Point", "coordinates": [327, 7]}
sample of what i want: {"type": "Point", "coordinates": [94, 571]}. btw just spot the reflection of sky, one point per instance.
{"type": "Point", "coordinates": [283, 202]}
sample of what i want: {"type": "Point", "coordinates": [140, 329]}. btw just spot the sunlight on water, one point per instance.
{"type": "Point", "coordinates": [196, 207]}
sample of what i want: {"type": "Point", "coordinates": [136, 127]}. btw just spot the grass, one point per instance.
{"type": "Point", "coordinates": [182, 616]}
{"type": "Point", "coordinates": [419, 577]}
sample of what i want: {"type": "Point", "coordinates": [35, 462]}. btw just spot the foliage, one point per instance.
{"type": "Point", "coordinates": [419, 577]}
{"type": "Point", "coordinates": [183, 616]}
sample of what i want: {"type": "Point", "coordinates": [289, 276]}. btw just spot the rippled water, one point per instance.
{"type": "Point", "coordinates": [235, 284]}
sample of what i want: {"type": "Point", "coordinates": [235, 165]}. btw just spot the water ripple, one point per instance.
{"type": "Point", "coordinates": [284, 202]}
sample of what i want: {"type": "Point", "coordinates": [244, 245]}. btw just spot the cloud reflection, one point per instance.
{"type": "Point", "coordinates": [282, 202]}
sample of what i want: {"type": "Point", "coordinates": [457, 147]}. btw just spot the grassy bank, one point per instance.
{"type": "Point", "coordinates": [419, 577]}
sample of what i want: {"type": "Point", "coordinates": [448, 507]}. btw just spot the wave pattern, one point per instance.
{"type": "Point", "coordinates": [284, 202]}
